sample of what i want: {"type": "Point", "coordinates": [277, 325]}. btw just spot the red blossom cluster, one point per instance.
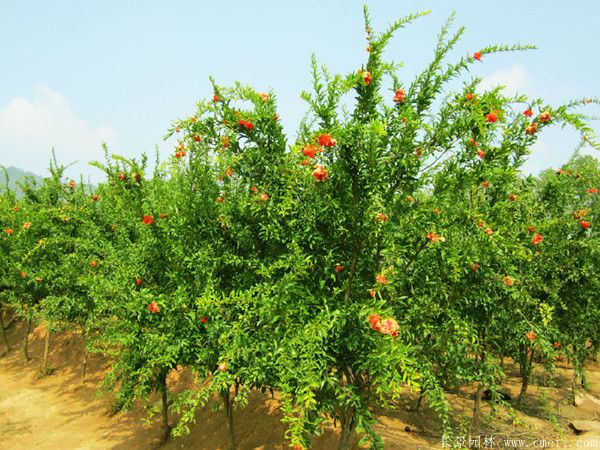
{"type": "Point", "coordinates": [385, 326]}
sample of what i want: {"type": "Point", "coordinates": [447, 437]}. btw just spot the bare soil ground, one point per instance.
{"type": "Point", "coordinates": [57, 411]}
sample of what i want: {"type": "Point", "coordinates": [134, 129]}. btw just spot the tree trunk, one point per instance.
{"type": "Point", "coordinates": [3, 335]}
{"type": "Point", "coordinates": [25, 348]}
{"type": "Point", "coordinates": [166, 428]}
{"type": "Point", "coordinates": [85, 356]}
{"type": "Point", "coordinates": [348, 425]}
{"type": "Point", "coordinates": [227, 403]}
{"type": "Point", "coordinates": [526, 367]}
{"type": "Point", "coordinates": [46, 351]}
{"type": "Point", "coordinates": [523, 391]}
{"type": "Point", "coordinates": [474, 426]}
{"type": "Point", "coordinates": [420, 401]}
{"type": "Point", "coordinates": [574, 387]}
{"type": "Point", "coordinates": [84, 365]}
{"type": "Point", "coordinates": [583, 379]}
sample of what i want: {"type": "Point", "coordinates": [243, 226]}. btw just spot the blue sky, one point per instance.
{"type": "Point", "coordinates": [76, 73]}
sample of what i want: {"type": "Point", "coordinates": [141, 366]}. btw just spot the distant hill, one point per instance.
{"type": "Point", "coordinates": [14, 176]}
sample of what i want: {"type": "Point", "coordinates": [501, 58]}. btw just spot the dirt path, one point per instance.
{"type": "Point", "coordinates": [58, 411]}
{"type": "Point", "coordinates": [38, 414]}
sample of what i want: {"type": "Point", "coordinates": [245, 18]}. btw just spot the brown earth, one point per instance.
{"type": "Point", "coordinates": [57, 411]}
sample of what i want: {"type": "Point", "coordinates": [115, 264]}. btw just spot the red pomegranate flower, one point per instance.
{"type": "Point", "coordinates": [264, 197]}
{"type": "Point", "coordinates": [531, 129]}
{"type": "Point", "coordinates": [225, 141]}
{"type": "Point", "coordinates": [203, 319]}
{"type": "Point", "coordinates": [326, 140]}
{"type": "Point", "coordinates": [389, 326]}
{"type": "Point", "coordinates": [122, 176]}
{"type": "Point", "coordinates": [37, 279]}
{"type": "Point", "coordinates": [305, 162]}
{"type": "Point", "coordinates": [229, 171]}
{"type": "Point", "coordinates": [71, 184]}
{"type": "Point", "coordinates": [489, 231]}
{"type": "Point", "coordinates": [95, 197]}
{"type": "Point", "coordinates": [481, 154]}
{"type": "Point", "coordinates": [434, 237]}
{"type": "Point", "coordinates": [512, 197]}
{"type": "Point", "coordinates": [153, 307]}
{"type": "Point", "coordinates": [138, 282]}
{"type": "Point", "coordinates": [197, 138]}
{"type": "Point", "coordinates": [528, 112]}
{"type": "Point", "coordinates": [93, 264]}
{"type": "Point", "coordinates": [249, 125]}
{"type": "Point", "coordinates": [320, 173]}
{"type": "Point", "coordinates": [399, 96]}
{"type": "Point", "coordinates": [23, 275]}
{"type": "Point", "coordinates": [372, 293]}
{"type": "Point", "coordinates": [222, 367]}
{"type": "Point", "coordinates": [148, 219]}
{"type": "Point", "coordinates": [375, 321]}
{"type": "Point", "coordinates": [485, 184]}
{"type": "Point", "coordinates": [470, 97]}
{"type": "Point", "coordinates": [536, 239]}
{"type": "Point", "coordinates": [381, 279]}
{"type": "Point", "coordinates": [366, 76]}
{"type": "Point", "coordinates": [556, 344]}
{"type": "Point", "coordinates": [473, 142]}
{"type": "Point", "coordinates": [531, 335]}
{"type": "Point", "coordinates": [544, 117]}
{"type": "Point", "coordinates": [216, 98]}
{"type": "Point", "coordinates": [508, 280]}
{"type": "Point", "coordinates": [9, 231]}
{"type": "Point", "coordinates": [531, 229]}
{"type": "Point", "coordinates": [585, 225]}
{"type": "Point", "coordinates": [339, 268]}
{"type": "Point", "coordinates": [477, 56]}
{"type": "Point", "coordinates": [592, 190]}
{"type": "Point", "coordinates": [264, 97]}
{"type": "Point", "coordinates": [254, 189]}
{"type": "Point", "coordinates": [382, 217]}
{"type": "Point", "coordinates": [475, 267]}
{"type": "Point", "coordinates": [221, 199]}
{"type": "Point", "coordinates": [491, 117]}
{"type": "Point", "coordinates": [311, 150]}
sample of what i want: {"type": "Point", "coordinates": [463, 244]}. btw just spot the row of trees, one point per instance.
{"type": "Point", "coordinates": [394, 242]}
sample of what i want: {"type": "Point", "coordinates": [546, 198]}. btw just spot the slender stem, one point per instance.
{"type": "Point", "coordinates": [85, 357]}
{"type": "Point", "coordinates": [25, 348]}
{"type": "Point", "coordinates": [3, 334]}
{"type": "Point", "coordinates": [227, 400]}
{"type": "Point", "coordinates": [46, 351]}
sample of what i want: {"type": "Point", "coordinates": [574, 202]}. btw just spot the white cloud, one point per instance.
{"type": "Point", "coordinates": [515, 79]}
{"type": "Point", "coordinates": [30, 128]}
